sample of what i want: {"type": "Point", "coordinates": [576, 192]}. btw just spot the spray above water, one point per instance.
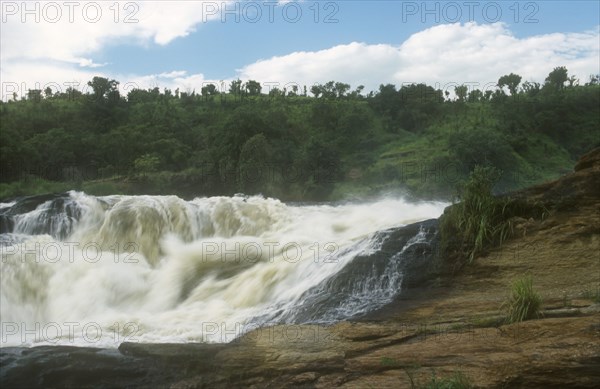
{"type": "Point", "coordinates": [97, 271]}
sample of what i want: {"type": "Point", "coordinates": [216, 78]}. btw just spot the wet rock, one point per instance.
{"type": "Point", "coordinates": [56, 216]}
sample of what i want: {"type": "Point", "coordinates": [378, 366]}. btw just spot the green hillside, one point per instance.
{"type": "Point", "coordinates": [336, 143]}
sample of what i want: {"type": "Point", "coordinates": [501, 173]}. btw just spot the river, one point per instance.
{"type": "Point", "coordinates": [98, 271]}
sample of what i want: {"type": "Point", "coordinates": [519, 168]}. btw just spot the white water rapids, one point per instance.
{"type": "Point", "coordinates": [161, 269]}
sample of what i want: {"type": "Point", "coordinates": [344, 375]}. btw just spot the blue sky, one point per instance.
{"type": "Point", "coordinates": [218, 48]}
{"type": "Point", "coordinates": [187, 43]}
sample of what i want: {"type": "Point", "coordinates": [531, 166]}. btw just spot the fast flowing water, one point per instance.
{"type": "Point", "coordinates": [85, 270]}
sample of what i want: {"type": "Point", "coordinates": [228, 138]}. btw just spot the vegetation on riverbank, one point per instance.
{"type": "Point", "coordinates": [524, 303]}
{"type": "Point", "coordinates": [479, 220]}
{"type": "Point", "coordinates": [335, 144]}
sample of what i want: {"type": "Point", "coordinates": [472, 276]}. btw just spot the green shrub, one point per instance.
{"type": "Point", "coordinates": [32, 185]}
{"type": "Point", "coordinates": [103, 188]}
{"type": "Point", "coordinates": [481, 147]}
{"type": "Point", "coordinates": [481, 220]}
{"type": "Point", "coordinates": [458, 380]}
{"type": "Point", "coordinates": [592, 294]}
{"type": "Point", "coordinates": [524, 303]}
{"type": "Point", "coordinates": [147, 163]}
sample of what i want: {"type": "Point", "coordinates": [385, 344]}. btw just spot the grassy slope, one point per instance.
{"type": "Point", "coordinates": [423, 165]}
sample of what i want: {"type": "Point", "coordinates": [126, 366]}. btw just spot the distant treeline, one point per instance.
{"type": "Point", "coordinates": [294, 144]}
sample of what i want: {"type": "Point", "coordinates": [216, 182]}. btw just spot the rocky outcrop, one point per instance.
{"type": "Point", "coordinates": [559, 352]}
{"type": "Point", "coordinates": [580, 187]}
{"type": "Point", "coordinates": [591, 160]}
{"type": "Point", "coordinates": [56, 218]}
{"type": "Point", "coordinates": [405, 258]}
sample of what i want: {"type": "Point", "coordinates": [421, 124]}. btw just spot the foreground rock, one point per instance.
{"type": "Point", "coordinates": [453, 325]}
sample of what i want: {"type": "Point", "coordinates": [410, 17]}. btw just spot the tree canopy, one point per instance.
{"type": "Point", "coordinates": [284, 142]}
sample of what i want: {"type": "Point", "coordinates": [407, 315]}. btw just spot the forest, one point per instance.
{"type": "Point", "coordinates": [325, 142]}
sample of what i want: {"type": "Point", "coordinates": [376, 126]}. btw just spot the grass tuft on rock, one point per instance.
{"type": "Point", "coordinates": [524, 303]}
{"type": "Point", "coordinates": [481, 220]}
{"type": "Point", "coordinates": [592, 294]}
{"type": "Point", "coordinates": [458, 380]}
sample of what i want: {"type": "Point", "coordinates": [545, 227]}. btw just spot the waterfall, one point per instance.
{"type": "Point", "coordinates": [85, 270]}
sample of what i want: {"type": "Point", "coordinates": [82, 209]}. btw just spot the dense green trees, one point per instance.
{"type": "Point", "coordinates": [558, 77]}
{"type": "Point", "coordinates": [511, 81]}
{"type": "Point", "coordinates": [284, 143]}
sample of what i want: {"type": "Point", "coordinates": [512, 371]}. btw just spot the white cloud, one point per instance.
{"type": "Point", "coordinates": [442, 55]}
{"type": "Point", "coordinates": [37, 54]}
{"type": "Point", "coordinates": [27, 76]}
{"type": "Point", "coordinates": [60, 37]}
{"type": "Point", "coordinates": [173, 80]}
{"type": "Point", "coordinates": [88, 63]}
{"type": "Point", "coordinates": [173, 74]}
{"type": "Point", "coordinates": [62, 32]}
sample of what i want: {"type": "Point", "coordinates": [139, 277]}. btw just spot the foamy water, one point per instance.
{"type": "Point", "coordinates": [161, 269]}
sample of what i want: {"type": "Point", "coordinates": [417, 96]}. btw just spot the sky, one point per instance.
{"type": "Point", "coordinates": [187, 44]}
